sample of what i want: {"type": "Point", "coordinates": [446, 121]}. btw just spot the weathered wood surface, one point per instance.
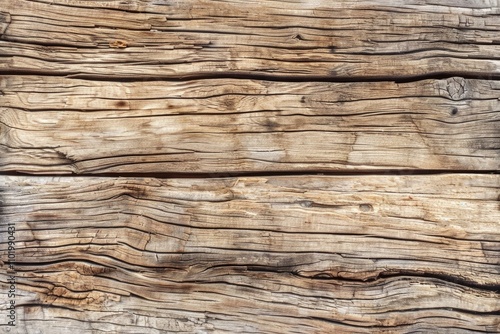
{"type": "Point", "coordinates": [317, 254]}
{"type": "Point", "coordinates": [60, 125]}
{"type": "Point", "coordinates": [254, 88]}
{"type": "Point", "coordinates": [322, 38]}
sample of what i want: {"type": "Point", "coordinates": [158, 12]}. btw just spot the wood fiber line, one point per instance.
{"type": "Point", "coordinates": [278, 254]}
{"type": "Point", "coordinates": [175, 39]}
{"type": "Point", "coordinates": [59, 125]}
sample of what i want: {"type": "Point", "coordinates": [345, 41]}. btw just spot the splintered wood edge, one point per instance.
{"type": "Point", "coordinates": [256, 254]}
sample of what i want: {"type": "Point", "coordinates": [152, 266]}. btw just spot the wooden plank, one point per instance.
{"type": "Point", "coordinates": [316, 254]}
{"type": "Point", "coordinates": [61, 125]}
{"type": "Point", "coordinates": [320, 38]}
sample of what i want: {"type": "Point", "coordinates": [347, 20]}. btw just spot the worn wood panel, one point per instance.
{"type": "Point", "coordinates": [237, 87]}
{"type": "Point", "coordinates": [90, 298]}
{"type": "Point", "coordinates": [61, 125]}
{"type": "Point", "coordinates": [373, 254]}
{"type": "Point", "coordinates": [330, 39]}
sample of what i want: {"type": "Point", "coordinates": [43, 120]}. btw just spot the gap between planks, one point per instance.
{"type": "Point", "coordinates": [305, 173]}
{"type": "Point", "coordinates": [256, 76]}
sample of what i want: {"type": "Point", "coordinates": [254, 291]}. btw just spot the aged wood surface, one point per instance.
{"type": "Point", "coordinates": [149, 100]}
{"type": "Point", "coordinates": [317, 254]}
{"type": "Point", "coordinates": [333, 39]}
{"type": "Point", "coordinates": [60, 125]}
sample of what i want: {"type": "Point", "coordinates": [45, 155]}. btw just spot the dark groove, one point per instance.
{"type": "Point", "coordinates": [271, 173]}
{"type": "Point", "coordinates": [333, 321]}
{"type": "Point", "coordinates": [52, 44]}
{"type": "Point", "coordinates": [301, 78]}
{"type": "Point", "coordinates": [403, 273]}
{"type": "Point", "coordinates": [49, 306]}
{"type": "Point", "coordinates": [447, 278]}
{"type": "Point", "coordinates": [261, 76]}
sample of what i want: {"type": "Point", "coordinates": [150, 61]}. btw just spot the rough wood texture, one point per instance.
{"type": "Point", "coordinates": [333, 39]}
{"type": "Point", "coordinates": [322, 254]}
{"type": "Point", "coordinates": [148, 99]}
{"type": "Point", "coordinates": [58, 125]}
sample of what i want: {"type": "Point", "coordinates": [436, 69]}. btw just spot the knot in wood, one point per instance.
{"type": "Point", "coordinates": [118, 44]}
{"type": "Point", "coordinates": [457, 88]}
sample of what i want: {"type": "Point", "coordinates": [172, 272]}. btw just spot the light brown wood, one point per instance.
{"type": "Point", "coordinates": [316, 254]}
{"type": "Point", "coordinates": [151, 102]}
{"type": "Point", "coordinates": [172, 39]}
{"type": "Point", "coordinates": [59, 125]}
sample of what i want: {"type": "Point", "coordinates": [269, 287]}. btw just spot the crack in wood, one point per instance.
{"type": "Point", "coordinates": [5, 21]}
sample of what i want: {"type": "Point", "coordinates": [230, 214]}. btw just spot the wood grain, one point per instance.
{"type": "Point", "coordinates": [152, 102]}
{"type": "Point", "coordinates": [314, 38]}
{"type": "Point", "coordinates": [61, 125]}
{"type": "Point", "coordinates": [371, 254]}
